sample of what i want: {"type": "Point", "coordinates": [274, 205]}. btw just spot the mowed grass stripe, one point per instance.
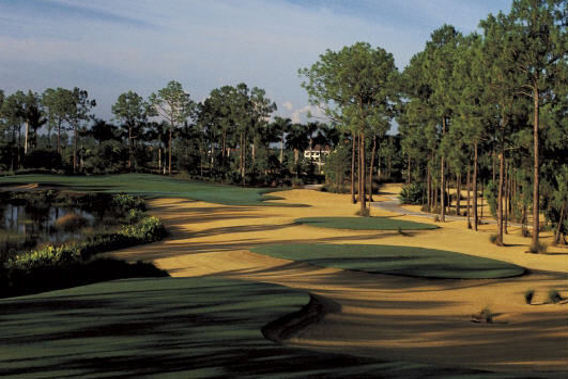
{"type": "Point", "coordinates": [186, 327]}
{"type": "Point", "coordinates": [153, 186]}
{"type": "Point", "coordinates": [364, 223]}
{"type": "Point", "coordinates": [395, 260]}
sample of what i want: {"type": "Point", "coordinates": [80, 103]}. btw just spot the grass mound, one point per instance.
{"type": "Point", "coordinates": [396, 260]}
{"type": "Point", "coordinates": [148, 185]}
{"type": "Point", "coordinates": [190, 327]}
{"type": "Point", "coordinates": [364, 223]}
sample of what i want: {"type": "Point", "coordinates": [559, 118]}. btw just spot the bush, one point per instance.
{"type": "Point", "coordinates": [529, 294]}
{"type": "Point", "coordinates": [46, 256]}
{"type": "Point", "coordinates": [125, 202]}
{"type": "Point", "coordinates": [554, 296]}
{"type": "Point", "coordinates": [493, 238]}
{"type": "Point", "coordinates": [412, 194]}
{"type": "Point", "coordinates": [485, 315]}
{"type": "Point", "coordinates": [538, 248]}
{"type": "Point", "coordinates": [71, 222]}
{"type": "Point", "coordinates": [149, 229]}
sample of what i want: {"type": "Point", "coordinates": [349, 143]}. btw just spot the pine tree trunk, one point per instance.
{"type": "Point", "coordinates": [408, 180]}
{"type": "Point", "coordinates": [282, 149]}
{"type": "Point", "coordinates": [558, 232]}
{"type": "Point", "coordinates": [507, 198]}
{"type": "Point", "coordinates": [26, 138]}
{"type": "Point", "coordinates": [442, 179]}
{"type": "Point", "coordinates": [59, 137]}
{"type": "Point", "coordinates": [481, 216]}
{"type": "Point", "coordinates": [475, 192]}
{"type": "Point", "coordinates": [468, 208]}
{"type": "Point", "coordinates": [500, 190]}
{"type": "Point", "coordinates": [130, 148]}
{"type": "Point", "coordinates": [458, 197]}
{"type": "Point", "coordinates": [354, 149]}
{"type": "Point", "coordinates": [429, 185]}
{"type": "Point", "coordinates": [362, 173]}
{"type": "Point", "coordinates": [371, 168]}
{"type": "Point", "coordinates": [75, 144]}
{"type": "Point", "coordinates": [170, 152]}
{"type": "Point", "coordinates": [535, 234]}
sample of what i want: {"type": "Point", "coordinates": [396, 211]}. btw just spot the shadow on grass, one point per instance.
{"type": "Point", "coordinates": [47, 278]}
{"type": "Point", "coordinates": [200, 327]}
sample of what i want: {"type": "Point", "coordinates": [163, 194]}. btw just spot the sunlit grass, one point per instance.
{"type": "Point", "coordinates": [396, 260]}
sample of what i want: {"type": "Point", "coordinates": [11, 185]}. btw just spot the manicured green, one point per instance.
{"type": "Point", "coordinates": [148, 185]}
{"type": "Point", "coordinates": [396, 260]}
{"type": "Point", "coordinates": [190, 327]}
{"type": "Point", "coordinates": [364, 223]}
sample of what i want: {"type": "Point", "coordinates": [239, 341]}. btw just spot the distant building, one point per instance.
{"type": "Point", "coordinates": [317, 155]}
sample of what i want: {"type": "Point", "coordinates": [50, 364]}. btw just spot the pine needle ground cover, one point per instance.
{"type": "Point", "coordinates": [364, 223]}
{"type": "Point", "coordinates": [150, 186]}
{"type": "Point", "coordinates": [395, 260]}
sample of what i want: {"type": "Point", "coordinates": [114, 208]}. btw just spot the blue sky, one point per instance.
{"type": "Point", "coordinates": [111, 46]}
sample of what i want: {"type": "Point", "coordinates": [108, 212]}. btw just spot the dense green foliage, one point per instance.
{"type": "Point", "coordinates": [490, 106]}
{"type": "Point", "coordinates": [412, 193]}
{"type": "Point", "coordinates": [363, 223]}
{"type": "Point", "coordinates": [490, 111]}
{"type": "Point", "coordinates": [395, 260]}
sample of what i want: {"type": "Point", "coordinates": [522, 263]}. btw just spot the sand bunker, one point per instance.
{"type": "Point", "coordinates": [380, 316]}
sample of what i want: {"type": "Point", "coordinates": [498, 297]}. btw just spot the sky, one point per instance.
{"type": "Point", "coordinates": [111, 46]}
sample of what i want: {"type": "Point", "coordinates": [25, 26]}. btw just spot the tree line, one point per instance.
{"type": "Point", "coordinates": [485, 112]}
{"type": "Point", "coordinates": [231, 136]}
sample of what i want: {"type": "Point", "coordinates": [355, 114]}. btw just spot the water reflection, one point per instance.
{"type": "Point", "coordinates": [39, 223]}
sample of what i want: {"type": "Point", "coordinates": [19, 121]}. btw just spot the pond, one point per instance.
{"type": "Point", "coordinates": [29, 220]}
{"type": "Point", "coordinates": [43, 223]}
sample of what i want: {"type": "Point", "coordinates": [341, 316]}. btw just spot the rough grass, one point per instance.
{"type": "Point", "coordinates": [150, 186]}
{"type": "Point", "coordinates": [364, 223]}
{"type": "Point", "coordinates": [190, 327]}
{"type": "Point", "coordinates": [396, 260]}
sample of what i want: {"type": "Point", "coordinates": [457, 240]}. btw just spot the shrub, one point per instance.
{"type": "Point", "coordinates": [412, 194]}
{"type": "Point", "coordinates": [554, 296]}
{"type": "Point", "coordinates": [485, 315]}
{"type": "Point", "coordinates": [71, 222]}
{"type": "Point", "coordinates": [46, 256]}
{"type": "Point", "coordinates": [529, 294]}
{"type": "Point", "coordinates": [494, 238]}
{"type": "Point", "coordinates": [149, 229]}
{"type": "Point", "coordinates": [538, 248]}
{"type": "Point", "coordinates": [297, 183]}
{"type": "Point", "coordinates": [125, 202]}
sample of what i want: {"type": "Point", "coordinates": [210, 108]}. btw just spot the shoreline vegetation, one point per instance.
{"type": "Point", "coordinates": [54, 265]}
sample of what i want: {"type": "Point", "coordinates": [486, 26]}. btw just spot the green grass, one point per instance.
{"type": "Point", "coordinates": [150, 186]}
{"type": "Point", "coordinates": [396, 260]}
{"type": "Point", "coordinates": [364, 223]}
{"type": "Point", "coordinates": [190, 327]}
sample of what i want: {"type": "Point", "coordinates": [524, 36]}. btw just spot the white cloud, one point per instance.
{"type": "Point", "coordinates": [203, 44]}
{"type": "Point", "coordinates": [308, 113]}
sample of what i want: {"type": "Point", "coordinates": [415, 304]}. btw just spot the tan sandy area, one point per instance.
{"type": "Point", "coordinates": [381, 316]}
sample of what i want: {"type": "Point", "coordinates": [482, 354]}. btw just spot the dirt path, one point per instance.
{"type": "Point", "coordinates": [381, 316]}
